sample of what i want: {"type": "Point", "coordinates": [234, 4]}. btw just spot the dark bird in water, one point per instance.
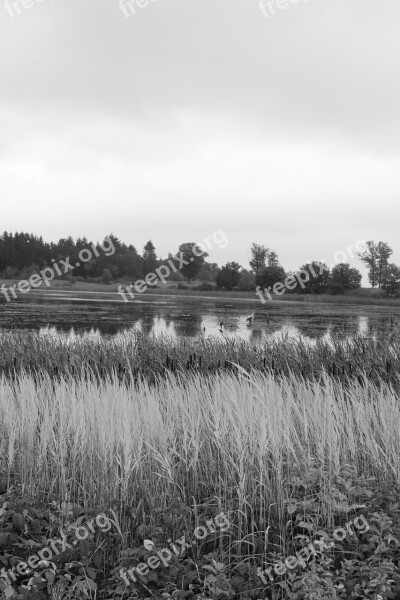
{"type": "Point", "coordinates": [221, 324]}
{"type": "Point", "coordinates": [249, 319]}
{"type": "Point", "coordinates": [204, 328]}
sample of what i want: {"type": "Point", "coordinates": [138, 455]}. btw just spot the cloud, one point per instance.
{"type": "Point", "coordinates": [196, 116]}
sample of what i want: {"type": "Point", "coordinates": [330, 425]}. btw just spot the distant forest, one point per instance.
{"type": "Point", "coordinates": [23, 254]}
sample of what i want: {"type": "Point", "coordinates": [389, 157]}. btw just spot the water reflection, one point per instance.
{"type": "Point", "coordinates": [188, 325]}
{"type": "Point", "coordinates": [185, 316]}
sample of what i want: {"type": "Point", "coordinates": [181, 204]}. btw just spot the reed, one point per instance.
{"type": "Point", "coordinates": [134, 355]}
{"type": "Point", "coordinates": [234, 440]}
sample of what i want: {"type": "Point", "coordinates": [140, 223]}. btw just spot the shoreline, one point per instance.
{"type": "Point", "coordinates": [363, 301]}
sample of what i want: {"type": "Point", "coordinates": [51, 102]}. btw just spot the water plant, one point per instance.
{"type": "Point", "coordinates": [135, 355]}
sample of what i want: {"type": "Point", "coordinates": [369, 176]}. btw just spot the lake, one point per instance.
{"type": "Point", "coordinates": [104, 313]}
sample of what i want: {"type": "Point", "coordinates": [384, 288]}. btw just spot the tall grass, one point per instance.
{"type": "Point", "coordinates": [234, 438]}
{"type": "Point", "coordinates": [135, 355]}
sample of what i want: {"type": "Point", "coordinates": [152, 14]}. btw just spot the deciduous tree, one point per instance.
{"type": "Point", "coordinates": [193, 257]}
{"type": "Point", "coordinates": [258, 258]}
{"type": "Point", "coordinates": [271, 275]}
{"type": "Point", "coordinates": [391, 279]}
{"type": "Point", "coordinates": [376, 258]}
{"type": "Point", "coordinates": [229, 276]}
{"type": "Point", "coordinates": [343, 278]}
{"type": "Point", "coordinates": [318, 278]}
{"type": "Point", "coordinates": [384, 253]}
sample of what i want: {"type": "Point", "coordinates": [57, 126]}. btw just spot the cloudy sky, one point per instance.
{"type": "Point", "coordinates": [178, 118]}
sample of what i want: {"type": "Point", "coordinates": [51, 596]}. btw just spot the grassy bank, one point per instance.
{"type": "Point", "coordinates": [288, 442]}
{"type": "Point", "coordinates": [283, 459]}
{"type": "Point", "coordinates": [364, 297]}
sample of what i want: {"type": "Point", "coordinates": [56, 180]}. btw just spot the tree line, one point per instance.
{"type": "Point", "coordinates": [22, 254]}
{"type": "Point", "coordinates": [266, 271]}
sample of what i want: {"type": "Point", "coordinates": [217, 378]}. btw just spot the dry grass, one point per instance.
{"type": "Point", "coordinates": [237, 438]}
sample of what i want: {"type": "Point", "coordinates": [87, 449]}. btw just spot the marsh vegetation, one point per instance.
{"type": "Point", "coordinates": [288, 440]}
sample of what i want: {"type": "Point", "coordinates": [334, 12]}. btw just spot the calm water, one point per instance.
{"type": "Point", "coordinates": [83, 313]}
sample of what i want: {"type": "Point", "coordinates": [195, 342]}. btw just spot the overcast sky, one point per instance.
{"type": "Point", "coordinates": [191, 116]}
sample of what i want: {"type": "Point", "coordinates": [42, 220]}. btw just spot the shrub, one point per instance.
{"type": "Point", "coordinates": [204, 287]}
{"type": "Point", "coordinates": [107, 277]}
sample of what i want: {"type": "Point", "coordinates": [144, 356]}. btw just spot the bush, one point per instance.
{"type": "Point", "coordinates": [204, 287]}
{"type": "Point", "coordinates": [107, 276]}
{"type": "Point", "coordinates": [175, 276]}
{"type": "Point", "coordinates": [10, 273]}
